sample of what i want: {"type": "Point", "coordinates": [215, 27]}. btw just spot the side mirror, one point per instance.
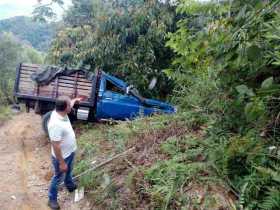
{"type": "Point", "coordinates": [128, 88]}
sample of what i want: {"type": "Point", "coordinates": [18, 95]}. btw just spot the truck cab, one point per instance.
{"type": "Point", "coordinates": [117, 100]}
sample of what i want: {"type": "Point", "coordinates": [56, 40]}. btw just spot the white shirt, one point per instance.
{"type": "Point", "coordinates": [60, 129]}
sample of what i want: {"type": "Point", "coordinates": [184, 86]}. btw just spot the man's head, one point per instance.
{"type": "Point", "coordinates": [63, 105]}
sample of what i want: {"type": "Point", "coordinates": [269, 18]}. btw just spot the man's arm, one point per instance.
{"type": "Point", "coordinates": [57, 151]}
{"type": "Point", "coordinates": [74, 101]}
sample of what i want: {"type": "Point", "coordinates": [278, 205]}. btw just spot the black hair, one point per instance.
{"type": "Point", "coordinates": [61, 105]}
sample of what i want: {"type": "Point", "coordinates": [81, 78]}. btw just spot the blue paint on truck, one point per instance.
{"type": "Point", "coordinates": [120, 104]}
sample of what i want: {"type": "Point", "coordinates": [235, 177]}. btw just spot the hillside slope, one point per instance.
{"type": "Point", "coordinates": [38, 35]}
{"type": "Point", "coordinates": [167, 169]}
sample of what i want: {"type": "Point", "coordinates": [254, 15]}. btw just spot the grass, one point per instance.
{"type": "Point", "coordinates": [168, 161]}
{"type": "Point", "coordinates": [5, 113]}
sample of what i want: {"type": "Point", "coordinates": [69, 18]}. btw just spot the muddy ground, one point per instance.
{"type": "Point", "coordinates": [25, 169]}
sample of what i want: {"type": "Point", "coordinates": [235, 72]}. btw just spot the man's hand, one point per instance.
{"type": "Point", "coordinates": [75, 100]}
{"type": "Point", "coordinates": [63, 166]}
{"type": "Point", "coordinates": [57, 151]}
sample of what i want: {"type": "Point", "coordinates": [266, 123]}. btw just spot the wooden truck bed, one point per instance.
{"type": "Point", "coordinates": [75, 85]}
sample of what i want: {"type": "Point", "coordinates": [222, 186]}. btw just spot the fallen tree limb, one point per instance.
{"type": "Point", "coordinates": [103, 163]}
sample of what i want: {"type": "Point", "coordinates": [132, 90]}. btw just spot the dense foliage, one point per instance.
{"type": "Point", "coordinates": [37, 35]}
{"type": "Point", "coordinates": [125, 38]}
{"type": "Point", "coordinates": [11, 54]}
{"type": "Point", "coordinates": [227, 67]}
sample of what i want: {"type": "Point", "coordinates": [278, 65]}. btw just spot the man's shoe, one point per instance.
{"type": "Point", "coordinates": [53, 205]}
{"type": "Point", "coordinates": [72, 189]}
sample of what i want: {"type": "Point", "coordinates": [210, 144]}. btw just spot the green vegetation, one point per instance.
{"type": "Point", "coordinates": [37, 35]}
{"type": "Point", "coordinates": [125, 38]}
{"type": "Point", "coordinates": [225, 72]}
{"type": "Point", "coordinates": [17, 36]}
{"type": "Point", "coordinates": [227, 59]}
{"type": "Point", "coordinates": [11, 54]}
{"type": "Point", "coordinates": [169, 159]}
{"type": "Point", "coordinates": [5, 113]}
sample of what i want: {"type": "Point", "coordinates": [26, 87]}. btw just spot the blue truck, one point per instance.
{"type": "Point", "coordinates": [104, 96]}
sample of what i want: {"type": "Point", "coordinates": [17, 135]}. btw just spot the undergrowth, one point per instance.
{"type": "Point", "coordinates": [202, 168]}
{"type": "Point", "coordinates": [5, 113]}
{"type": "Point", "coordinates": [169, 161]}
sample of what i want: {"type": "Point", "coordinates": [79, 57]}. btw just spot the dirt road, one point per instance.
{"type": "Point", "coordinates": [25, 168]}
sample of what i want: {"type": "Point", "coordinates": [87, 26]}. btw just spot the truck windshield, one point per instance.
{"type": "Point", "coordinates": [112, 87]}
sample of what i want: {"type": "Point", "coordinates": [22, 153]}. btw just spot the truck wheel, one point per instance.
{"type": "Point", "coordinates": [45, 121]}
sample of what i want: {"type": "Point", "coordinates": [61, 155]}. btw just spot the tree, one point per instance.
{"type": "Point", "coordinates": [11, 54]}
{"type": "Point", "coordinates": [125, 38]}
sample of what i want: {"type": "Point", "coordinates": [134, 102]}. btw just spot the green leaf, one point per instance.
{"type": "Point", "coordinates": [267, 83]}
{"type": "Point", "coordinates": [253, 53]}
{"type": "Point", "coordinates": [254, 110]}
{"type": "Point", "coordinates": [244, 90]}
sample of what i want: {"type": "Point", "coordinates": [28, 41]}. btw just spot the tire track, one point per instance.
{"type": "Point", "coordinates": [14, 167]}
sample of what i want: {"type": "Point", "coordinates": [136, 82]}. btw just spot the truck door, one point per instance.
{"type": "Point", "coordinates": [116, 104]}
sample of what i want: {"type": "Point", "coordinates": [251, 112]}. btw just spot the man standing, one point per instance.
{"type": "Point", "coordinates": [63, 147]}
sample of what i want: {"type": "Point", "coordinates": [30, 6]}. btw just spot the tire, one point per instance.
{"type": "Point", "coordinates": [45, 121]}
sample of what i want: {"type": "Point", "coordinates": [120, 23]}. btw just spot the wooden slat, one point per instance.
{"type": "Point", "coordinates": [26, 80]}
{"type": "Point", "coordinates": [72, 86]}
{"type": "Point", "coordinates": [26, 87]}
{"type": "Point", "coordinates": [26, 69]}
{"type": "Point", "coordinates": [33, 70]}
{"type": "Point", "coordinates": [31, 92]}
{"type": "Point", "coordinates": [80, 76]}
{"type": "Point", "coordinates": [60, 84]}
{"type": "Point", "coordinates": [29, 69]}
{"type": "Point", "coordinates": [31, 65]}
{"type": "Point", "coordinates": [48, 94]}
{"type": "Point", "coordinates": [63, 94]}
{"type": "Point", "coordinates": [63, 78]}
{"type": "Point", "coordinates": [81, 85]}
{"type": "Point", "coordinates": [45, 93]}
{"type": "Point", "coordinates": [63, 89]}
{"type": "Point", "coordinates": [26, 84]}
{"type": "Point", "coordinates": [35, 67]}
{"type": "Point", "coordinates": [86, 97]}
{"type": "Point", "coordinates": [25, 75]}
{"type": "Point", "coordinates": [73, 82]}
{"type": "Point", "coordinates": [67, 83]}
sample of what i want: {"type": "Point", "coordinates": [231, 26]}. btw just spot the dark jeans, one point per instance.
{"type": "Point", "coordinates": [58, 176]}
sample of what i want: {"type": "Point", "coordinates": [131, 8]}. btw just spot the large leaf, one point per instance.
{"type": "Point", "coordinates": [253, 53]}
{"type": "Point", "coordinates": [267, 83]}
{"type": "Point", "coordinates": [244, 90]}
{"type": "Point", "coordinates": [254, 110]}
